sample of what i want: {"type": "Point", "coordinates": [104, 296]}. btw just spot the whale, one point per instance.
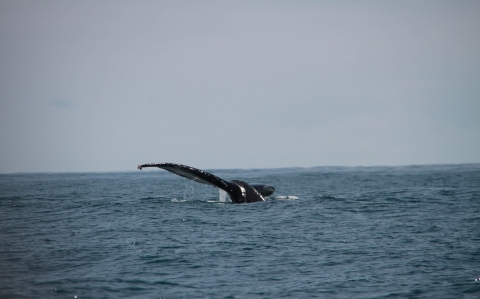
{"type": "Point", "coordinates": [238, 191]}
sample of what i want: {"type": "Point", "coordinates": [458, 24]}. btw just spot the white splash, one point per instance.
{"type": "Point", "coordinates": [283, 197]}
{"type": "Point", "coordinates": [222, 195]}
{"type": "Point", "coordinates": [178, 200]}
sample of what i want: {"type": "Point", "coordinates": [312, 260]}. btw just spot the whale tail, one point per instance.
{"type": "Point", "coordinates": [239, 191]}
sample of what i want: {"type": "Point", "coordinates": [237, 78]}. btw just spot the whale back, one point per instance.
{"type": "Point", "coordinates": [248, 193]}
{"type": "Point", "coordinates": [264, 190]}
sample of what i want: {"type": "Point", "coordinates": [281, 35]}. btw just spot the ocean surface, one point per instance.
{"type": "Point", "coordinates": [327, 232]}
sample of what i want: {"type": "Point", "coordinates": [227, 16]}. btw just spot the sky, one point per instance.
{"type": "Point", "coordinates": [107, 85]}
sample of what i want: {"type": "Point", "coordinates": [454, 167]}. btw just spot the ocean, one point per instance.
{"type": "Point", "coordinates": [327, 232]}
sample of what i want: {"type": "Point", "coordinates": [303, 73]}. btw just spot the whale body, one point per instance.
{"type": "Point", "coordinates": [238, 191]}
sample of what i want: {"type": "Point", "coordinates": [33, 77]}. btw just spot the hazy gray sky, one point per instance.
{"type": "Point", "coordinates": [108, 85]}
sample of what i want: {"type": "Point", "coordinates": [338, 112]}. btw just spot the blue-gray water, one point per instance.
{"type": "Point", "coordinates": [377, 232]}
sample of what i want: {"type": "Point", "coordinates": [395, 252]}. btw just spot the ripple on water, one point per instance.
{"type": "Point", "coordinates": [346, 233]}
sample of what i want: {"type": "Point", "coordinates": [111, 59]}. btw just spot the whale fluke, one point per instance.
{"type": "Point", "coordinates": [239, 191]}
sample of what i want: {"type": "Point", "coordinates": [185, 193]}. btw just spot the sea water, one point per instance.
{"type": "Point", "coordinates": [327, 232]}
